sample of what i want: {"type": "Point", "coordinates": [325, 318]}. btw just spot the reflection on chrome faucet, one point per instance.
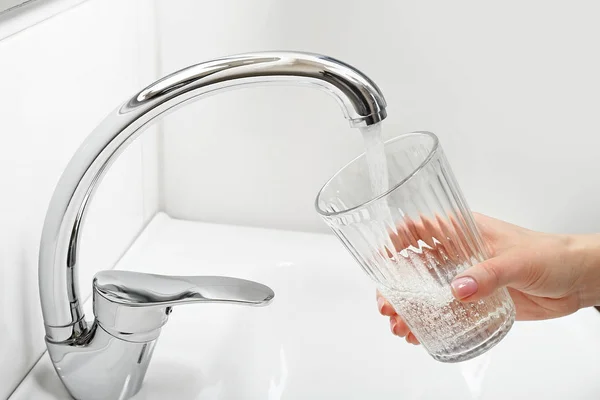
{"type": "Point", "coordinates": [108, 357]}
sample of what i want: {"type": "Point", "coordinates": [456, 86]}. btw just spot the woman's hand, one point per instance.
{"type": "Point", "coordinates": [547, 275]}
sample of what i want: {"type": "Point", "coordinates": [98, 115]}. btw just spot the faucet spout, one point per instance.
{"type": "Point", "coordinates": [362, 103]}
{"type": "Point", "coordinates": [361, 100]}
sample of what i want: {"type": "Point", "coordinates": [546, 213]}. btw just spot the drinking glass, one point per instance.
{"type": "Point", "coordinates": [412, 240]}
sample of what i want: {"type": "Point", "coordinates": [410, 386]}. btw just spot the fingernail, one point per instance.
{"type": "Point", "coordinates": [380, 303]}
{"type": "Point", "coordinates": [393, 325]}
{"type": "Point", "coordinates": [464, 287]}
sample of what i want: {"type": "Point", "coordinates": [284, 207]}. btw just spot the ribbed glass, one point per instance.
{"type": "Point", "coordinates": [413, 240]}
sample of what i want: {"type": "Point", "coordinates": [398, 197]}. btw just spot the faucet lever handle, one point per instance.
{"type": "Point", "coordinates": [138, 289]}
{"type": "Point", "coordinates": [133, 304]}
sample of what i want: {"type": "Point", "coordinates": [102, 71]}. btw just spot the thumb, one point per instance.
{"type": "Point", "coordinates": [484, 279]}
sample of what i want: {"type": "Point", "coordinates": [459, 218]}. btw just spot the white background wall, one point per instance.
{"type": "Point", "coordinates": [58, 80]}
{"type": "Point", "coordinates": [511, 88]}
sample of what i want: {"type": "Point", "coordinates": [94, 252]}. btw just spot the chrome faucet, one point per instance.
{"type": "Point", "coordinates": [108, 357]}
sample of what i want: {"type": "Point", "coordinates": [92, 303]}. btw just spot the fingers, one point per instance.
{"type": "Point", "coordinates": [397, 324]}
{"type": "Point", "coordinates": [384, 307]}
{"type": "Point", "coordinates": [485, 278]}
{"type": "Point", "coordinates": [399, 328]}
{"type": "Point", "coordinates": [412, 339]}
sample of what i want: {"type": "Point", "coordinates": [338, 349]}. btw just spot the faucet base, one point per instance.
{"type": "Point", "coordinates": [102, 367]}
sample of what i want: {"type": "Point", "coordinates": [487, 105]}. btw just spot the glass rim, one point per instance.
{"type": "Point", "coordinates": [432, 152]}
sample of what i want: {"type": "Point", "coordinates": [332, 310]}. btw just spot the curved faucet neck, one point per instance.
{"type": "Point", "coordinates": [361, 100]}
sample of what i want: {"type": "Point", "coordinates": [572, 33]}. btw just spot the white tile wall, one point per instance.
{"type": "Point", "coordinates": [58, 80]}
{"type": "Point", "coordinates": [511, 89]}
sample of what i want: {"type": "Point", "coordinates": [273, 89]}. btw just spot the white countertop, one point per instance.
{"type": "Point", "coordinates": [322, 337]}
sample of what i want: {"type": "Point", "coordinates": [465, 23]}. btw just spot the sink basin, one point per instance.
{"type": "Point", "coordinates": [322, 337]}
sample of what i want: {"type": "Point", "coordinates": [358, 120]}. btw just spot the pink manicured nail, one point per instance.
{"type": "Point", "coordinates": [464, 287]}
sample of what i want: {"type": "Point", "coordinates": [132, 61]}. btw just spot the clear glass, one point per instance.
{"type": "Point", "coordinates": [413, 240]}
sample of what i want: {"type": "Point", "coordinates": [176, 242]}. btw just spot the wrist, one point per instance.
{"type": "Point", "coordinates": [585, 259]}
